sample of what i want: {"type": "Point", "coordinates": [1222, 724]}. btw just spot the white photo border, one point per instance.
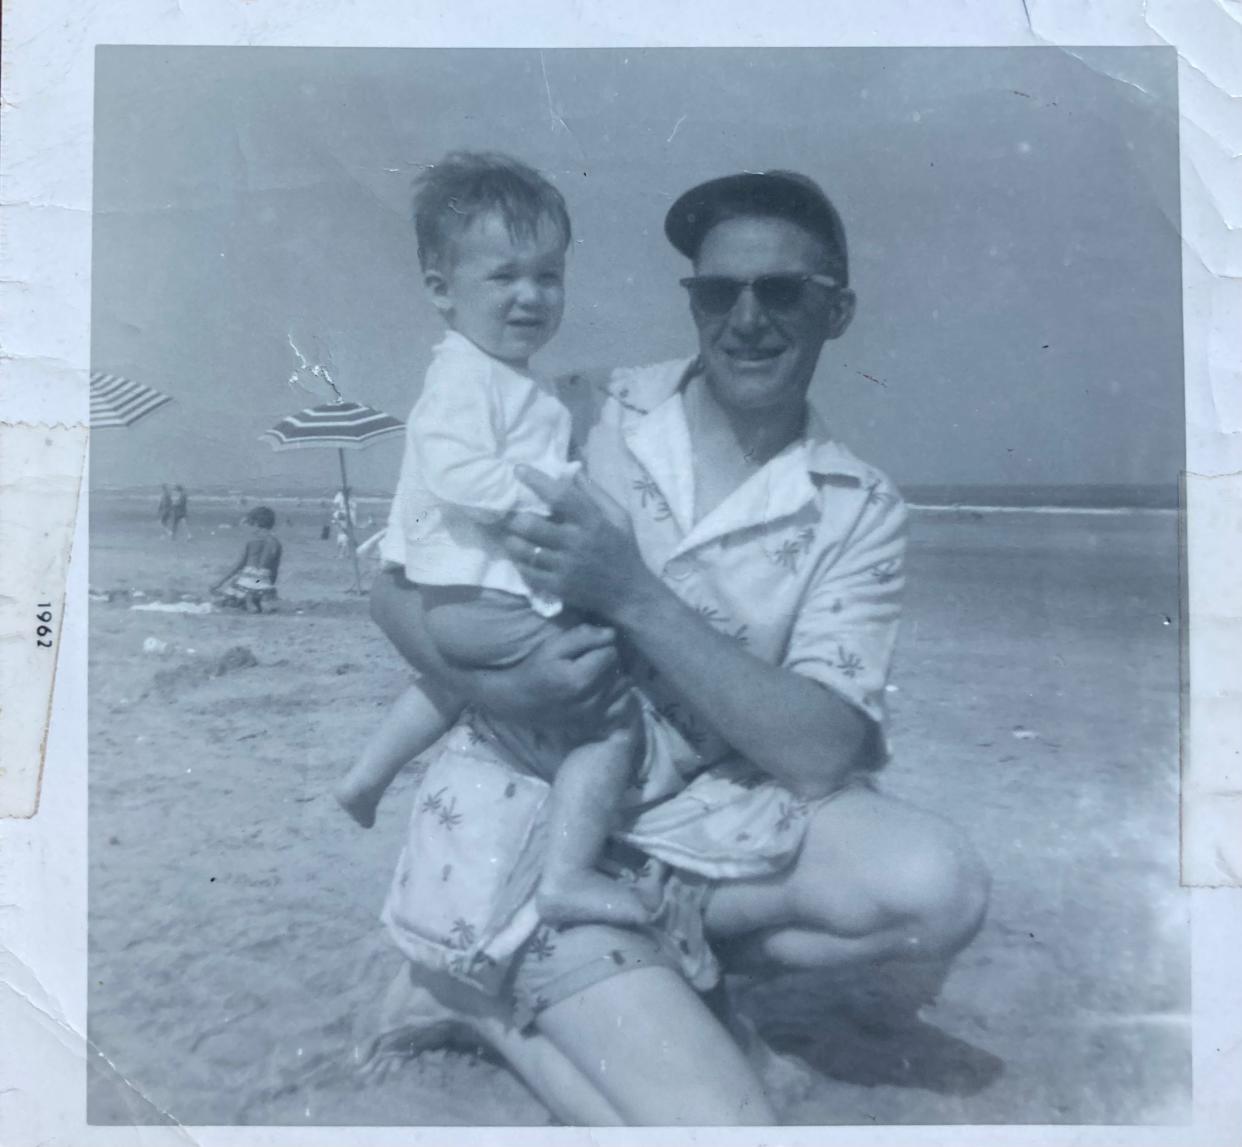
{"type": "Point", "coordinates": [45, 184]}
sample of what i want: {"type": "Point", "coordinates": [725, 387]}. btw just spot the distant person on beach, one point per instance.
{"type": "Point", "coordinates": [165, 510]}
{"type": "Point", "coordinates": [252, 581]}
{"type": "Point", "coordinates": [345, 520]}
{"type": "Point", "coordinates": [178, 512]}
{"type": "Point", "coordinates": [492, 236]}
{"type": "Point", "coordinates": [746, 570]}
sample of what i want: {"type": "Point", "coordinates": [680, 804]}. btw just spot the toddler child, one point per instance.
{"type": "Point", "coordinates": [492, 237]}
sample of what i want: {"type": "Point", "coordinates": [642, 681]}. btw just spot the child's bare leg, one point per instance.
{"type": "Point", "coordinates": [586, 795]}
{"type": "Point", "coordinates": [414, 723]}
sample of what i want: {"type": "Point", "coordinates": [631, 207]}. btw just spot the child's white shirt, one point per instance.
{"type": "Point", "coordinates": [475, 421]}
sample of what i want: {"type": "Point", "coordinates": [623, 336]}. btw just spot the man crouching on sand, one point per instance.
{"type": "Point", "coordinates": [746, 569]}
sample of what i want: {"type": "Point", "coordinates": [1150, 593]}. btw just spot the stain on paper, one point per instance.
{"type": "Point", "coordinates": [40, 482]}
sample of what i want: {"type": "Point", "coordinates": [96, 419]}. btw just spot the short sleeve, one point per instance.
{"type": "Point", "coordinates": [454, 433]}
{"type": "Point", "coordinates": [846, 629]}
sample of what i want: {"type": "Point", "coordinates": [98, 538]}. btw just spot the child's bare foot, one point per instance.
{"type": "Point", "coordinates": [588, 897]}
{"type": "Point", "coordinates": [359, 800]}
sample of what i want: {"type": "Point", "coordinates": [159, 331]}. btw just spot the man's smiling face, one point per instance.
{"type": "Point", "coordinates": [756, 359]}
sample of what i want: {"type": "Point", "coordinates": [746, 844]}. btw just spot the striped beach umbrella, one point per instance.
{"type": "Point", "coordinates": [345, 425]}
{"type": "Point", "coordinates": [341, 424]}
{"type": "Point", "coordinates": [120, 402]}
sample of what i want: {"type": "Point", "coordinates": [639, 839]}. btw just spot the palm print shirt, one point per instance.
{"type": "Point", "coordinates": [802, 564]}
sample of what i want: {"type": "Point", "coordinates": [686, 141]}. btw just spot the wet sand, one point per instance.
{"type": "Point", "coordinates": [235, 950]}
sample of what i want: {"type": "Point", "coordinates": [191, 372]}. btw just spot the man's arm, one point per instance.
{"type": "Point", "coordinates": [572, 678]}
{"type": "Point", "coordinates": [796, 729]}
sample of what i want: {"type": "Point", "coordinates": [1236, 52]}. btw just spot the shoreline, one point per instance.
{"type": "Point", "coordinates": [318, 501]}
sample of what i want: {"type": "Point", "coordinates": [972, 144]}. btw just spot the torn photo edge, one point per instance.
{"type": "Point", "coordinates": [45, 184]}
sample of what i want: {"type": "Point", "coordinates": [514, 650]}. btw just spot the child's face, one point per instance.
{"type": "Point", "coordinates": [505, 294]}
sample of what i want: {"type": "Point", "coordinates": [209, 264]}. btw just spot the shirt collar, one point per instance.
{"type": "Point", "coordinates": [455, 343]}
{"type": "Point", "coordinates": [455, 340]}
{"type": "Point", "coordinates": [824, 455]}
{"type": "Point", "coordinates": [658, 438]}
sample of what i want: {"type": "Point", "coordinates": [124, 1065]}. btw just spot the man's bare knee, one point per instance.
{"type": "Point", "coordinates": [942, 887]}
{"type": "Point", "coordinates": [895, 870]}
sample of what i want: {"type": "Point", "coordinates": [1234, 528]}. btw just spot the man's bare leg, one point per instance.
{"type": "Point", "coordinates": [638, 1049]}
{"type": "Point", "coordinates": [876, 879]}
{"type": "Point", "coordinates": [652, 1048]}
{"type": "Point", "coordinates": [429, 1010]}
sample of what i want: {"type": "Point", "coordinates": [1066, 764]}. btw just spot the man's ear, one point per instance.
{"type": "Point", "coordinates": [840, 313]}
{"type": "Point", "coordinates": [436, 284]}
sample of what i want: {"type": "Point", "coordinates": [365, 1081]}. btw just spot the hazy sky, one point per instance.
{"type": "Point", "coordinates": [1011, 215]}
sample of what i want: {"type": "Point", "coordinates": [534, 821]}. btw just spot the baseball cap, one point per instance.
{"type": "Point", "coordinates": [784, 194]}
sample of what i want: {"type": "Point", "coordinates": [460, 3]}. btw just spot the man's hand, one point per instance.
{"type": "Point", "coordinates": [585, 554]}
{"type": "Point", "coordinates": [573, 678]}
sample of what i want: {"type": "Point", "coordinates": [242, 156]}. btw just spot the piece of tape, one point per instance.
{"type": "Point", "coordinates": [40, 481]}
{"type": "Point", "coordinates": [1211, 849]}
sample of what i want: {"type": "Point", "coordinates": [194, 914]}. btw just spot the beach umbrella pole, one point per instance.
{"type": "Point", "coordinates": [342, 425]}
{"type": "Point", "coordinates": [349, 523]}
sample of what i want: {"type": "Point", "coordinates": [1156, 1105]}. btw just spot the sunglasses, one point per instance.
{"type": "Point", "coordinates": [781, 293]}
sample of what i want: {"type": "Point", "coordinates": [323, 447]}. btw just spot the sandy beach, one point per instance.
{"type": "Point", "coordinates": [235, 948]}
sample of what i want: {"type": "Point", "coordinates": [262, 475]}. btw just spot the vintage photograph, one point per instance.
{"type": "Point", "coordinates": [636, 587]}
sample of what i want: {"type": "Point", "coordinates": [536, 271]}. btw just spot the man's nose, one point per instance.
{"type": "Point", "coordinates": [747, 314]}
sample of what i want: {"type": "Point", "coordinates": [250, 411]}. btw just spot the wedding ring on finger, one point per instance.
{"type": "Point", "coordinates": [534, 555]}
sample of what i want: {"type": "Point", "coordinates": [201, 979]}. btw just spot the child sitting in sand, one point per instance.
{"type": "Point", "coordinates": [492, 237]}
{"type": "Point", "coordinates": [253, 579]}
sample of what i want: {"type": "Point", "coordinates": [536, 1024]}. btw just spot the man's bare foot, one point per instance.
{"type": "Point", "coordinates": [588, 897]}
{"type": "Point", "coordinates": [360, 801]}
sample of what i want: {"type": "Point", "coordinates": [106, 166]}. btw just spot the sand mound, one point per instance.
{"type": "Point", "coordinates": [173, 681]}
{"type": "Point", "coordinates": [238, 657]}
